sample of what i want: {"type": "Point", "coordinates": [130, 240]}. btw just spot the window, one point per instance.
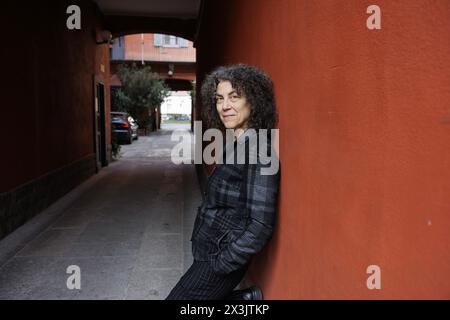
{"type": "Point", "coordinates": [168, 41]}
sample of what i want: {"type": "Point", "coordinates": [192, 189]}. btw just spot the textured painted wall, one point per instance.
{"type": "Point", "coordinates": [364, 141]}
{"type": "Point", "coordinates": [47, 88]}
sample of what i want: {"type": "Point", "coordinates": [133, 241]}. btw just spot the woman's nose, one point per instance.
{"type": "Point", "coordinates": [226, 104]}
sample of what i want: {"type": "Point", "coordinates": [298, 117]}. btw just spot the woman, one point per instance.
{"type": "Point", "coordinates": [236, 218]}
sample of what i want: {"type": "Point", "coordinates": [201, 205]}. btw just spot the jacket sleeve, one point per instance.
{"type": "Point", "coordinates": [262, 193]}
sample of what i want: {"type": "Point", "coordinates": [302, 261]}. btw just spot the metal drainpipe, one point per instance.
{"type": "Point", "coordinates": [142, 48]}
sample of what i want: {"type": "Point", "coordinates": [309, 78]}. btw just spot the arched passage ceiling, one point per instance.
{"type": "Point", "coordinates": [178, 17]}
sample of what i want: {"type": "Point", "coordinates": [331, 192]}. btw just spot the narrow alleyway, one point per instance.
{"type": "Point", "coordinates": [128, 230]}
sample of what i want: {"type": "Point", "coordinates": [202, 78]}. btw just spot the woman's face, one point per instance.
{"type": "Point", "coordinates": [233, 109]}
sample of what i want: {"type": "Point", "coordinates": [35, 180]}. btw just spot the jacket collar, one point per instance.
{"type": "Point", "coordinates": [246, 135]}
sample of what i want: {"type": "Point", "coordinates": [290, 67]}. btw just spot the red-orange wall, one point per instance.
{"type": "Point", "coordinates": [364, 141]}
{"type": "Point", "coordinates": [47, 88]}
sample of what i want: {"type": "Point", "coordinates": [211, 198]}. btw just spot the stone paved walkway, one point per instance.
{"type": "Point", "coordinates": [128, 230]}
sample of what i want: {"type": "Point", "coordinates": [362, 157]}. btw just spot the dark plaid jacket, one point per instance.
{"type": "Point", "coordinates": [237, 216]}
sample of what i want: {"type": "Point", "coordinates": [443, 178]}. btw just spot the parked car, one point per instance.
{"type": "Point", "coordinates": [124, 126]}
{"type": "Point", "coordinates": [182, 117]}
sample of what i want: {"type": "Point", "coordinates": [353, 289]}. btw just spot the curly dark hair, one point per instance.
{"type": "Point", "coordinates": [248, 81]}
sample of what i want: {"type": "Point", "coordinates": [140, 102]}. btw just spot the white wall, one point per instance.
{"type": "Point", "coordinates": [178, 102]}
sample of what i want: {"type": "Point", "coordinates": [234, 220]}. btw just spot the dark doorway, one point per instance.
{"type": "Point", "coordinates": [100, 125]}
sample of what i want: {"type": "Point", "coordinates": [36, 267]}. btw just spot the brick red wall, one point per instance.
{"type": "Point", "coordinates": [133, 50]}
{"type": "Point", "coordinates": [102, 69]}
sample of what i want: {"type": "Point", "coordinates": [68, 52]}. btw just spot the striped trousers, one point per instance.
{"type": "Point", "coordinates": [201, 283]}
